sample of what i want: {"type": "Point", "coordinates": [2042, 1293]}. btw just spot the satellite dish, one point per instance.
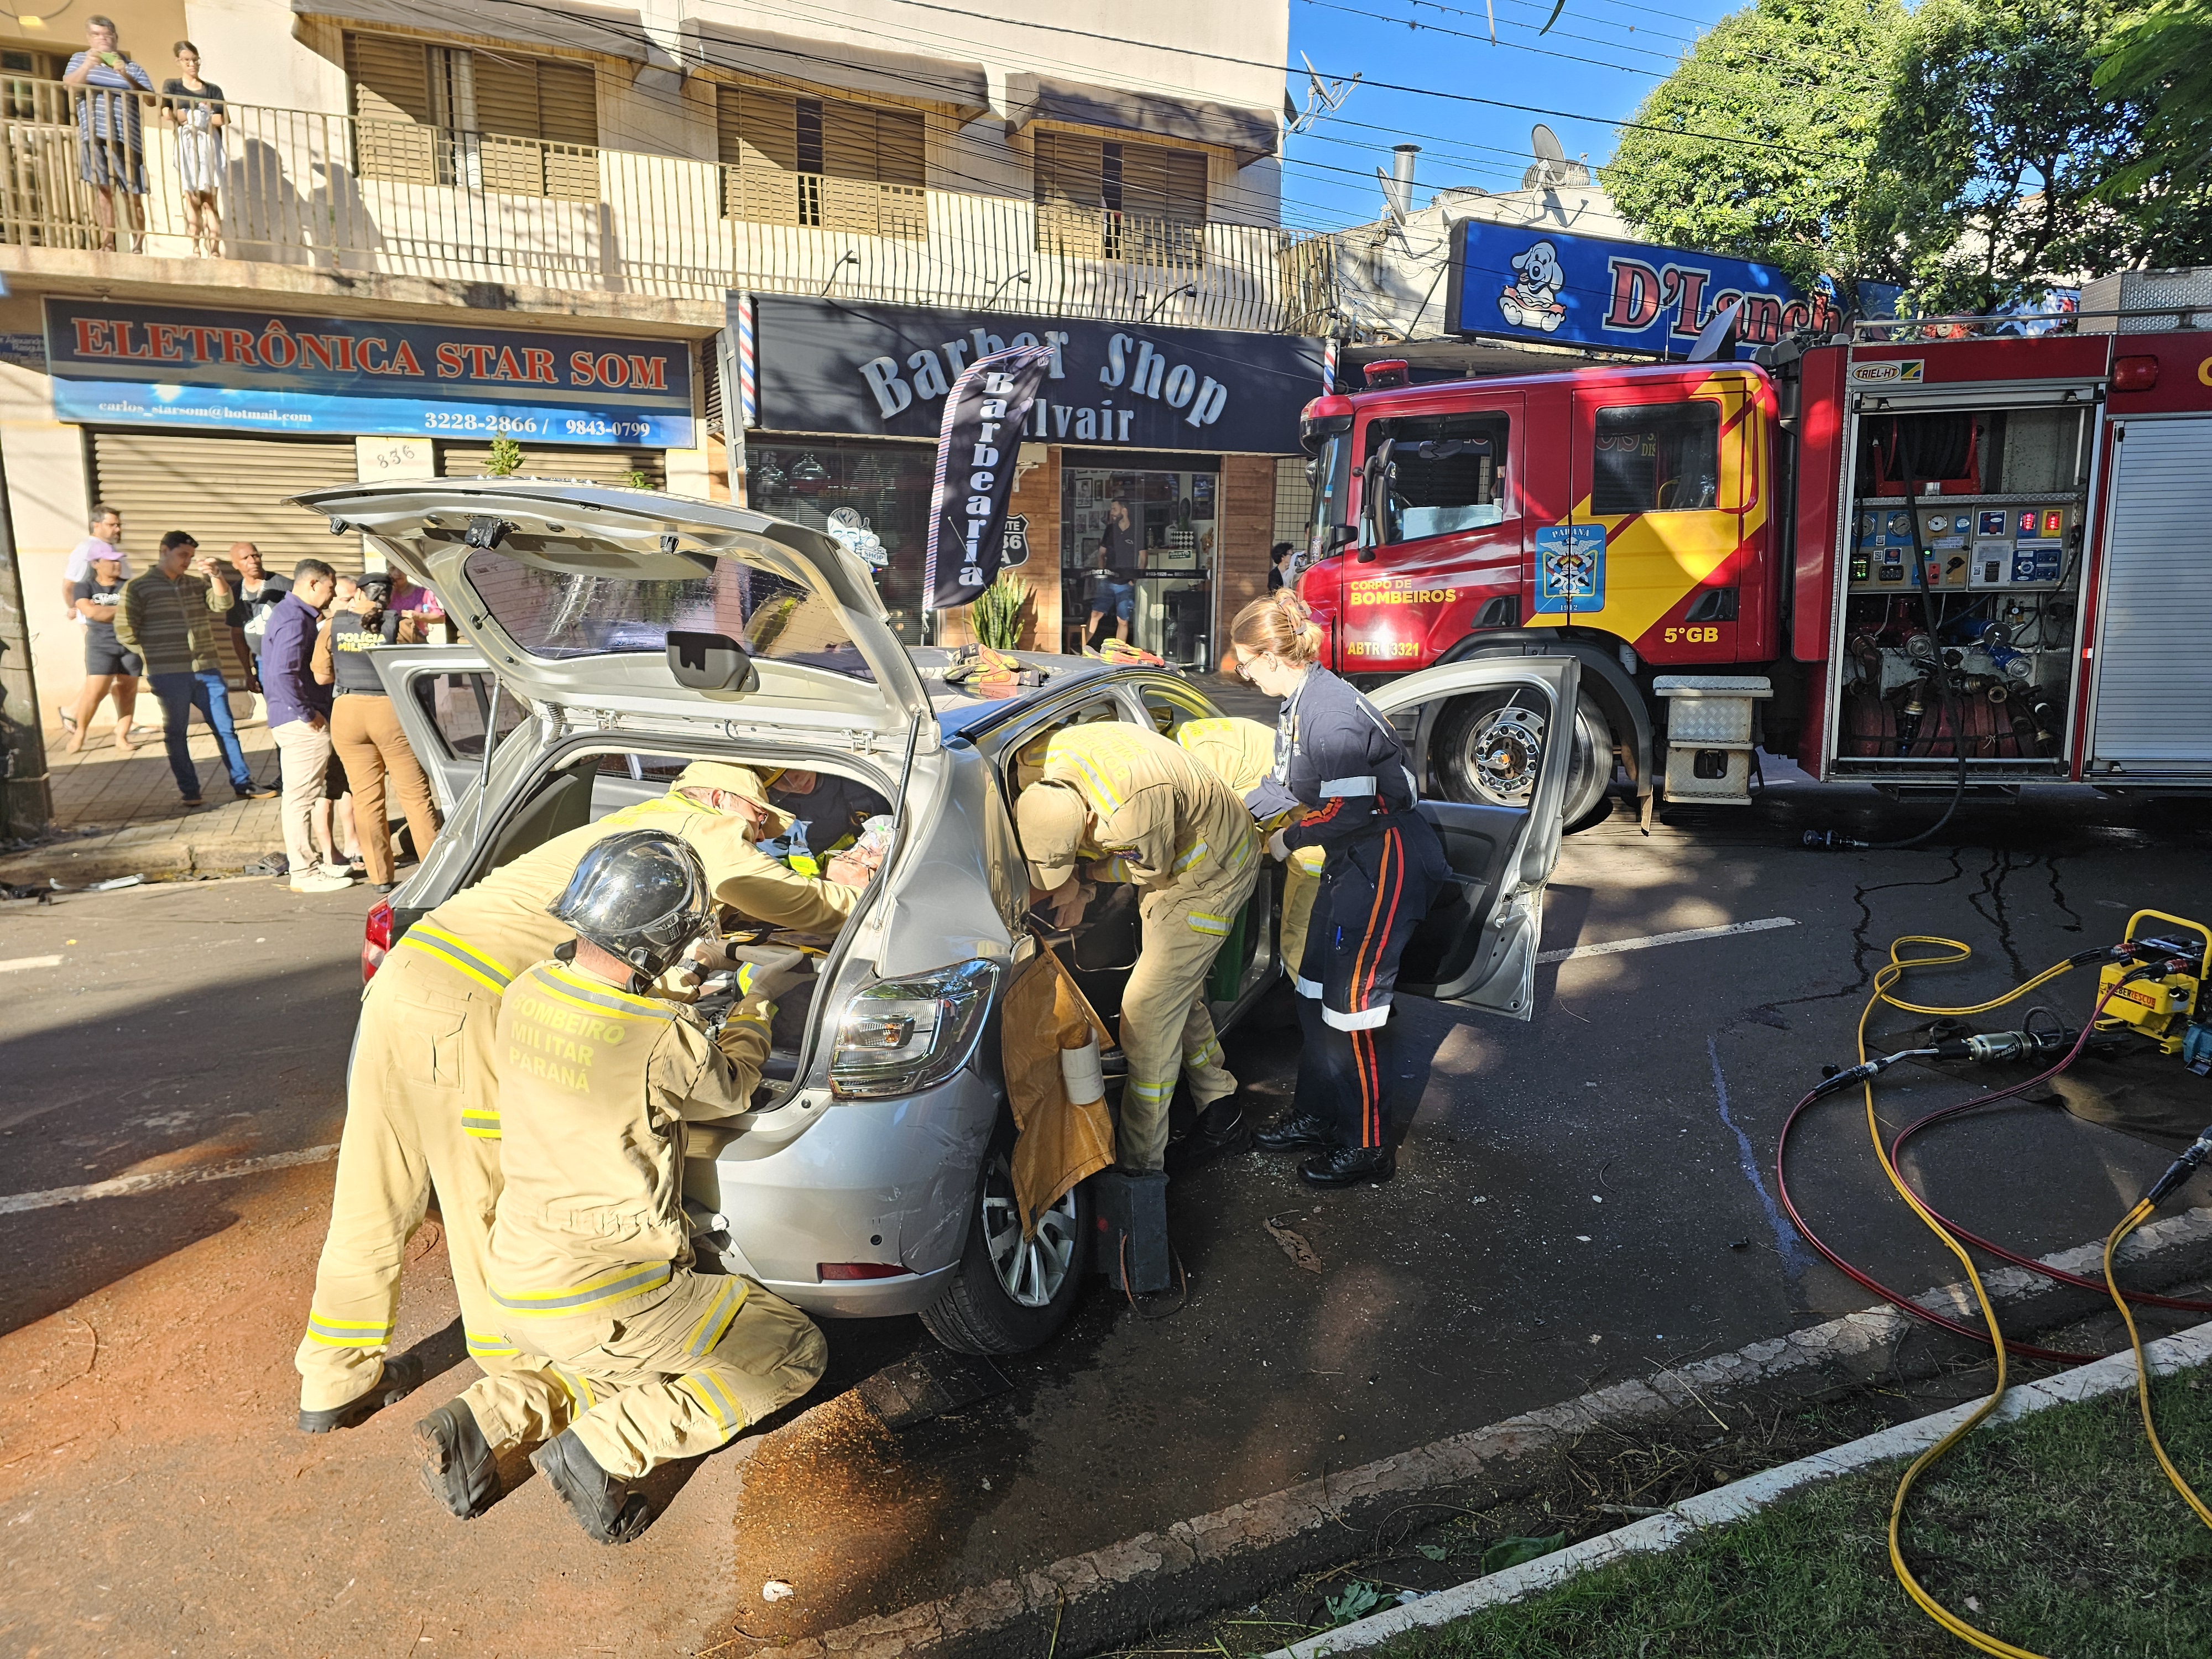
{"type": "Point", "coordinates": [1717, 340]}
{"type": "Point", "coordinates": [1553, 167]}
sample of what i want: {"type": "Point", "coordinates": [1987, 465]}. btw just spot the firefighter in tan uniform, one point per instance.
{"type": "Point", "coordinates": [1142, 811]}
{"type": "Point", "coordinates": [1242, 754]}
{"type": "Point", "coordinates": [422, 1094]}
{"type": "Point", "coordinates": [591, 1256]}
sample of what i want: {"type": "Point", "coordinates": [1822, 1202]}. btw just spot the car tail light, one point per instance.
{"type": "Point", "coordinates": [835, 1270]}
{"type": "Point", "coordinates": [375, 939]}
{"type": "Point", "coordinates": [2134, 374]}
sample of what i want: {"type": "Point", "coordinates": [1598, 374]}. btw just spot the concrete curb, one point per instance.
{"type": "Point", "coordinates": [1744, 1497]}
{"type": "Point", "coordinates": [157, 852]}
{"type": "Point", "coordinates": [1106, 1597]}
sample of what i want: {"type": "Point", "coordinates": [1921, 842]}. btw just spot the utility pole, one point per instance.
{"type": "Point", "coordinates": [26, 801]}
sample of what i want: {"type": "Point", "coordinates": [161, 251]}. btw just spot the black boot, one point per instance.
{"type": "Point", "coordinates": [403, 1375]}
{"type": "Point", "coordinates": [458, 1465]}
{"type": "Point", "coordinates": [603, 1507]}
{"type": "Point", "coordinates": [1347, 1166]}
{"type": "Point", "coordinates": [1295, 1133]}
{"type": "Point", "coordinates": [1219, 1132]}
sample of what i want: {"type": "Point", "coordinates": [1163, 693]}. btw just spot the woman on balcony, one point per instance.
{"type": "Point", "coordinates": [195, 108]}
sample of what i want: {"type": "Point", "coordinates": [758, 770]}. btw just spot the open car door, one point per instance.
{"type": "Point", "coordinates": [621, 611]}
{"type": "Point", "coordinates": [441, 695]}
{"type": "Point", "coordinates": [1477, 946]}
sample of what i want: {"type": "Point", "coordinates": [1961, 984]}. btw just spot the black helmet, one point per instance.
{"type": "Point", "coordinates": [641, 895]}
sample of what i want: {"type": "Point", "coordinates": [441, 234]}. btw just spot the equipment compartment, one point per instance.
{"type": "Point", "coordinates": [1963, 551]}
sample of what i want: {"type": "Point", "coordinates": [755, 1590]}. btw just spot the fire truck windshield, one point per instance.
{"type": "Point", "coordinates": [1330, 473]}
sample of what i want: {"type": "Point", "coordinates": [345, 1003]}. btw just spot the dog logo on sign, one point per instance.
{"type": "Point", "coordinates": [1534, 301]}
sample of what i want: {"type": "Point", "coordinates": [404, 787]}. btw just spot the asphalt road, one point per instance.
{"type": "Point", "coordinates": [1580, 1199]}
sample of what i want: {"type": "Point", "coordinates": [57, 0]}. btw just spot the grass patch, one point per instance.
{"type": "Point", "coordinates": [2060, 1526]}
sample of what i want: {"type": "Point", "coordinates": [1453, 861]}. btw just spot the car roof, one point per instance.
{"type": "Point", "coordinates": [961, 714]}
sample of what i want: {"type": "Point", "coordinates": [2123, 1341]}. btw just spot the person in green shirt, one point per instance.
{"type": "Point", "coordinates": [172, 619]}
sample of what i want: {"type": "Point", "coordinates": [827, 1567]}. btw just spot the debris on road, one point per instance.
{"type": "Point", "coordinates": [776, 1590]}
{"type": "Point", "coordinates": [1302, 1255]}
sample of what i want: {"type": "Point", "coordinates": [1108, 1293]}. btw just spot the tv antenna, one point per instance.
{"type": "Point", "coordinates": [1323, 97]}
{"type": "Point", "coordinates": [1552, 168]}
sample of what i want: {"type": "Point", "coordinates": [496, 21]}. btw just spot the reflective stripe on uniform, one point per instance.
{"type": "Point", "coordinates": [480, 1122]}
{"type": "Point", "coordinates": [572, 987]}
{"type": "Point", "coordinates": [714, 1324]}
{"type": "Point", "coordinates": [706, 1389]}
{"type": "Point", "coordinates": [579, 1387]}
{"type": "Point", "coordinates": [333, 1332]}
{"type": "Point", "coordinates": [1151, 1092]}
{"type": "Point", "coordinates": [1192, 855]}
{"type": "Point", "coordinates": [1365, 1020]}
{"type": "Point", "coordinates": [1310, 987]}
{"type": "Point", "coordinates": [1212, 927]}
{"type": "Point", "coordinates": [489, 1346]}
{"type": "Point", "coordinates": [1207, 1053]}
{"type": "Point", "coordinates": [613, 1286]}
{"type": "Point", "coordinates": [457, 954]}
{"type": "Point", "coordinates": [1340, 788]}
{"type": "Point", "coordinates": [1241, 854]}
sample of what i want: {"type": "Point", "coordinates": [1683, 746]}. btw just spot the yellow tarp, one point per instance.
{"type": "Point", "coordinates": [1059, 1143]}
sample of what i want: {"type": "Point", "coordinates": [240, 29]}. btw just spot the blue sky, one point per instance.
{"type": "Point", "coordinates": [1608, 55]}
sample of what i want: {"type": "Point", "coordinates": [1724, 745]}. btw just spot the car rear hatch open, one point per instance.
{"type": "Point", "coordinates": [645, 613]}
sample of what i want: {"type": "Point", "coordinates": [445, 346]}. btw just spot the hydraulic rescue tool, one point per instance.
{"type": "Point", "coordinates": [2147, 986]}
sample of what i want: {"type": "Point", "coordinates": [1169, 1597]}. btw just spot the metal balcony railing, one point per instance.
{"type": "Point", "coordinates": [390, 199]}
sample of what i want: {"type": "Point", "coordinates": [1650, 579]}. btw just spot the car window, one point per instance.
{"type": "Point", "coordinates": [1170, 706]}
{"type": "Point", "coordinates": [459, 704]}
{"type": "Point", "coordinates": [1656, 458]}
{"type": "Point", "coordinates": [1027, 757]}
{"type": "Point", "coordinates": [1447, 473]}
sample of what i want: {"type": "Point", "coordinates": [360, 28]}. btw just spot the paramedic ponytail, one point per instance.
{"type": "Point", "coordinates": [1279, 625]}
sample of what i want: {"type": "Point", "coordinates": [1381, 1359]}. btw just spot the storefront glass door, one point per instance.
{"type": "Point", "coordinates": [1144, 540]}
{"type": "Point", "coordinates": [886, 487]}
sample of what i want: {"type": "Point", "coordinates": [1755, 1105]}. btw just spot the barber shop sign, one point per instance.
{"type": "Point", "coordinates": [827, 365]}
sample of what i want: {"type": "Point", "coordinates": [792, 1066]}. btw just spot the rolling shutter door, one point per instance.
{"type": "Point", "coordinates": [224, 490]}
{"type": "Point", "coordinates": [594, 465]}
{"type": "Point", "coordinates": [2154, 674]}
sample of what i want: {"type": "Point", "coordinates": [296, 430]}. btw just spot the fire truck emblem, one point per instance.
{"type": "Point", "coordinates": [1533, 302]}
{"type": "Point", "coordinates": [1571, 568]}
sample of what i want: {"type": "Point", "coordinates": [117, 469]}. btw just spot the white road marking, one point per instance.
{"type": "Point", "coordinates": [124, 1186]}
{"type": "Point", "coordinates": [1613, 947]}
{"type": "Point", "coordinates": [16, 963]}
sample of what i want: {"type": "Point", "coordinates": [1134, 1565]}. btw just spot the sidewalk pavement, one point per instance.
{"type": "Point", "coordinates": [117, 814]}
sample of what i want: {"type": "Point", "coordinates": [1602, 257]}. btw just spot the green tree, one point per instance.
{"type": "Point", "coordinates": [2161, 59]}
{"type": "Point", "coordinates": [1791, 92]}
{"type": "Point", "coordinates": [1986, 185]}
{"type": "Point", "coordinates": [505, 458]}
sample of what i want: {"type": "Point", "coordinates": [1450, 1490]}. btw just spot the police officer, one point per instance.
{"type": "Point", "coordinates": [422, 1095]}
{"type": "Point", "coordinates": [1381, 865]}
{"type": "Point", "coordinates": [591, 1256]}
{"type": "Point", "coordinates": [1242, 754]}
{"type": "Point", "coordinates": [1142, 811]}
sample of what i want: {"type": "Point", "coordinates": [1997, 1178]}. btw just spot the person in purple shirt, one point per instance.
{"type": "Point", "coordinates": [110, 126]}
{"type": "Point", "coordinates": [300, 721]}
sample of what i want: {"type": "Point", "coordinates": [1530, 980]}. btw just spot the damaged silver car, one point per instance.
{"type": "Point", "coordinates": [613, 636]}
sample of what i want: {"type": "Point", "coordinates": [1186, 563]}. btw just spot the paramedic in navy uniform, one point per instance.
{"type": "Point", "coordinates": [1382, 863]}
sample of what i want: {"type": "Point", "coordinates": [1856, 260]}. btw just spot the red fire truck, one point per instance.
{"type": "Point", "coordinates": [1874, 555]}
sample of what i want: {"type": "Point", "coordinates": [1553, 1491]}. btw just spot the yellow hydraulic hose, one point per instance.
{"type": "Point", "coordinates": [2133, 1220]}
{"type": "Point", "coordinates": [1885, 977]}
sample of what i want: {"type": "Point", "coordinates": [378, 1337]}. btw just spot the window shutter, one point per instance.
{"type": "Point", "coordinates": [568, 122]}
{"type": "Point", "coordinates": [391, 86]}
{"type": "Point", "coordinates": [1071, 209]}
{"type": "Point", "coordinates": [226, 490]}
{"type": "Point", "coordinates": [758, 137]}
{"type": "Point", "coordinates": [506, 112]}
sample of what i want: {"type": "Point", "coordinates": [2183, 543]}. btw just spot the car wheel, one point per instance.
{"type": "Point", "coordinates": [1488, 747]}
{"type": "Point", "coordinates": [1012, 1294]}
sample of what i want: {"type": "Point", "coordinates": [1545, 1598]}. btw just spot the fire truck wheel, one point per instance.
{"type": "Point", "coordinates": [1487, 749]}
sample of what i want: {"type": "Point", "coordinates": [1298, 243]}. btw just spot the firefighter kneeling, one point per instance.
{"type": "Point", "coordinates": [590, 1263]}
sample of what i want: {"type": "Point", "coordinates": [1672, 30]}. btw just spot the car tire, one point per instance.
{"type": "Point", "coordinates": [1459, 768]}
{"type": "Point", "coordinates": [1004, 1297]}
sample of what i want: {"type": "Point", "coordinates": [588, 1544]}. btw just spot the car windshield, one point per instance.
{"type": "Point", "coordinates": [554, 614]}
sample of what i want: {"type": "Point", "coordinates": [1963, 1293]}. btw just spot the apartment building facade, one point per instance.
{"type": "Point", "coordinates": [432, 227]}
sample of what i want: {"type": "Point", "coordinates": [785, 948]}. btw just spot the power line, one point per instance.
{"type": "Point", "coordinates": [1503, 46]}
